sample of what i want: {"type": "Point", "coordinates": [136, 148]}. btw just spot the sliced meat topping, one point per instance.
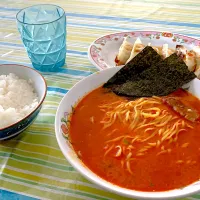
{"type": "Point", "coordinates": [184, 110]}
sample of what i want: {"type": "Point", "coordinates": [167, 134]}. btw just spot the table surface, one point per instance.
{"type": "Point", "coordinates": [32, 165]}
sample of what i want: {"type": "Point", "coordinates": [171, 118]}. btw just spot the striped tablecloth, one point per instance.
{"type": "Point", "coordinates": [32, 165]}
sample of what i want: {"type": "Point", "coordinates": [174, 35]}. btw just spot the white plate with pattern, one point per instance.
{"type": "Point", "coordinates": [103, 51]}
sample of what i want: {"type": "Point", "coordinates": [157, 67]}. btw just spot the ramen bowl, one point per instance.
{"type": "Point", "coordinates": [62, 132]}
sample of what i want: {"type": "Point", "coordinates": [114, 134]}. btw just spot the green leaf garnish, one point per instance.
{"type": "Point", "coordinates": [151, 184]}
{"type": "Point", "coordinates": [73, 109]}
{"type": "Point", "coordinates": [125, 141]}
{"type": "Point", "coordinates": [63, 120]}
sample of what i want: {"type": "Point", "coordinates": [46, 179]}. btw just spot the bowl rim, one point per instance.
{"type": "Point", "coordinates": [90, 175]}
{"type": "Point", "coordinates": [41, 101]}
{"type": "Point", "coordinates": [44, 4]}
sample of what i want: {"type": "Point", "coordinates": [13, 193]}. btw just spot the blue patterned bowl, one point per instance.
{"type": "Point", "coordinates": [40, 88]}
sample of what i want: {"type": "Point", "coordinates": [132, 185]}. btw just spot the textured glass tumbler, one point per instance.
{"type": "Point", "coordinates": [43, 32]}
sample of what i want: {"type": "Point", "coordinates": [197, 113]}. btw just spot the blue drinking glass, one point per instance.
{"type": "Point", "coordinates": [43, 32]}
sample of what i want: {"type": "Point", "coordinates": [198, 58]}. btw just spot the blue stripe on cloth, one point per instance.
{"type": "Point", "coordinates": [56, 89]}
{"type": "Point", "coordinates": [132, 19]}
{"type": "Point", "coordinates": [127, 19]}
{"type": "Point", "coordinates": [65, 71]}
{"type": "Point", "coordinates": [7, 195]}
{"type": "Point", "coordinates": [85, 25]}
{"type": "Point", "coordinates": [4, 154]}
{"type": "Point", "coordinates": [74, 72]}
{"type": "Point", "coordinates": [114, 27]}
{"type": "Point", "coordinates": [9, 9]}
{"type": "Point", "coordinates": [21, 45]}
{"type": "Point", "coordinates": [122, 29]}
{"type": "Point", "coordinates": [6, 17]}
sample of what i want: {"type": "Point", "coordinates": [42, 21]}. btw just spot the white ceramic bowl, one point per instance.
{"type": "Point", "coordinates": [65, 108]}
{"type": "Point", "coordinates": [40, 87]}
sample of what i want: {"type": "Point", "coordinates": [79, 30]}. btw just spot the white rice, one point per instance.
{"type": "Point", "coordinates": [17, 99]}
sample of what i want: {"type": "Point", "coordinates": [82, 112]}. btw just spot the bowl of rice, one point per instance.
{"type": "Point", "coordinates": [22, 92]}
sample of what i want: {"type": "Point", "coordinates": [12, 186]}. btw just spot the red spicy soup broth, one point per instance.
{"type": "Point", "coordinates": [132, 157]}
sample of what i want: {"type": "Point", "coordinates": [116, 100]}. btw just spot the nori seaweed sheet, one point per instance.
{"type": "Point", "coordinates": [159, 80]}
{"type": "Point", "coordinates": [145, 88]}
{"type": "Point", "coordinates": [172, 68]}
{"type": "Point", "coordinates": [142, 61]}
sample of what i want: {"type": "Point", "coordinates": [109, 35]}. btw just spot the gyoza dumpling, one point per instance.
{"type": "Point", "coordinates": [181, 51]}
{"type": "Point", "coordinates": [157, 49]}
{"type": "Point", "coordinates": [137, 48]}
{"type": "Point", "coordinates": [124, 52]}
{"type": "Point", "coordinates": [191, 60]}
{"type": "Point", "coordinates": [189, 57]}
{"type": "Point", "coordinates": [165, 51]}
{"type": "Point", "coordinates": [196, 49]}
